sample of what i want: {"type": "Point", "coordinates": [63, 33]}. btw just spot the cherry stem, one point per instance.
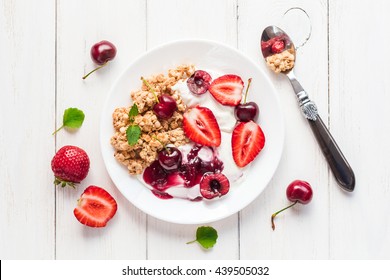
{"type": "Point", "coordinates": [57, 130]}
{"type": "Point", "coordinates": [86, 76]}
{"type": "Point", "coordinates": [276, 213]}
{"type": "Point", "coordinates": [150, 88]}
{"type": "Point", "coordinates": [165, 147]}
{"type": "Point", "coordinates": [247, 88]}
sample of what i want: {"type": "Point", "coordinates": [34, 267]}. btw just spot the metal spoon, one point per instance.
{"type": "Point", "coordinates": [336, 160]}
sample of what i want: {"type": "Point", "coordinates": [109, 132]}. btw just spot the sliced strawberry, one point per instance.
{"type": "Point", "coordinates": [201, 126]}
{"type": "Point", "coordinates": [247, 142]}
{"type": "Point", "coordinates": [227, 89]}
{"type": "Point", "coordinates": [95, 207]}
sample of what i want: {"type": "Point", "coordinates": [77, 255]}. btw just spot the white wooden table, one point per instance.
{"type": "Point", "coordinates": [44, 52]}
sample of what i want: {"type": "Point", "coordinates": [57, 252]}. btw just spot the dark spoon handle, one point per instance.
{"type": "Point", "coordinates": [341, 169]}
{"type": "Point", "coordinates": [336, 160]}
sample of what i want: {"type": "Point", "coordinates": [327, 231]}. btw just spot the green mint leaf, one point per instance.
{"type": "Point", "coordinates": [73, 118]}
{"type": "Point", "coordinates": [133, 133]}
{"type": "Point", "coordinates": [206, 237]}
{"type": "Point", "coordinates": [133, 111]}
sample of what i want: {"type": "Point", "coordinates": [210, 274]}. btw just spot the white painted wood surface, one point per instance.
{"type": "Point", "coordinates": [44, 50]}
{"type": "Point", "coordinates": [359, 117]}
{"type": "Point", "coordinates": [27, 92]}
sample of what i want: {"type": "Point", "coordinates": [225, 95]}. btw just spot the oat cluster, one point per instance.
{"type": "Point", "coordinates": [139, 156]}
{"type": "Point", "coordinates": [281, 62]}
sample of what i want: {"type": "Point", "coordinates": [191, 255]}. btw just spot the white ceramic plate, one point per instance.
{"type": "Point", "coordinates": [204, 55]}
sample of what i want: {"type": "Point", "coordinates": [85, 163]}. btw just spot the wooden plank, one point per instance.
{"type": "Point", "coordinates": [27, 86]}
{"type": "Point", "coordinates": [359, 99]}
{"type": "Point", "coordinates": [171, 20]}
{"type": "Point", "coordinates": [80, 25]}
{"type": "Point", "coordinates": [302, 232]}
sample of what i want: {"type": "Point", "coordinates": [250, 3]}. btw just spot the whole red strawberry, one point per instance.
{"type": "Point", "coordinates": [70, 165]}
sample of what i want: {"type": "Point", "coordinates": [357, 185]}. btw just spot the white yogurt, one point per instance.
{"type": "Point", "coordinates": [224, 114]}
{"type": "Point", "coordinates": [230, 169]}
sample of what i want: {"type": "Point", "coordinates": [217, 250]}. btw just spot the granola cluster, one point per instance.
{"type": "Point", "coordinates": [281, 62]}
{"type": "Point", "coordinates": [155, 132]}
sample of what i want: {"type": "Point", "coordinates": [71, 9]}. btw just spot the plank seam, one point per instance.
{"type": "Point", "coordinates": [55, 120]}
{"type": "Point", "coordinates": [146, 215]}
{"type": "Point", "coordinates": [146, 26]}
{"type": "Point", "coordinates": [329, 175]}
{"type": "Point", "coordinates": [239, 213]}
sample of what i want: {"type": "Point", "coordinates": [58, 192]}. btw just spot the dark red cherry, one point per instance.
{"type": "Point", "coordinates": [103, 52]}
{"type": "Point", "coordinates": [297, 191]}
{"type": "Point", "coordinates": [199, 82]}
{"type": "Point", "coordinates": [165, 104]}
{"type": "Point", "coordinates": [165, 107]}
{"type": "Point", "coordinates": [155, 176]}
{"type": "Point", "coordinates": [170, 158]}
{"type": "Point", "coordinates": [246, 112]}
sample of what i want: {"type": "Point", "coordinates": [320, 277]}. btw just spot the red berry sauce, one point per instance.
{"type": "Point", "coordinates": [274, 45]}
{"type": "Point", "coordinates": [188, 175]}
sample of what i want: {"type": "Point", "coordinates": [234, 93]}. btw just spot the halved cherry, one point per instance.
{"type": "Point", "coordinates": [214, 185]}
{"type": "Point", "coordinates": [199, 82]}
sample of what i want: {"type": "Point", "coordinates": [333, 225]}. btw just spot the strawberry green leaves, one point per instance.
{"type": "Point", "coordinates": [206, 237]}
{"type": "Point", "coordinates": [133, 132]}
{"type": "Point", "coordinates": [73, 118]}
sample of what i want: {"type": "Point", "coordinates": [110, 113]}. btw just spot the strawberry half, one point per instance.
{"type": "Point", "coordinates": [201, 126]}
{"type": "Point", "coordinates": [95, 207]}
{"type": "Point", "coordinates": [227, 89]}
{"type": "Point", "coordinates": [247, 142]}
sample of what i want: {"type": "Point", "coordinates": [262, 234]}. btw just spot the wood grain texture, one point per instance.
{"type": "Point", "coordinates": [190, 19]}
{"type": "Point", "coordinates": [27, 93]}
{"type": "Point", "coordinates": [179, 19]}
{"type": "Point", "coordinates": [302, 159]}
{"type": "Point", "coordinates": [359, 99]}
{"type": "Point", "coordinates": [80, 25]}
